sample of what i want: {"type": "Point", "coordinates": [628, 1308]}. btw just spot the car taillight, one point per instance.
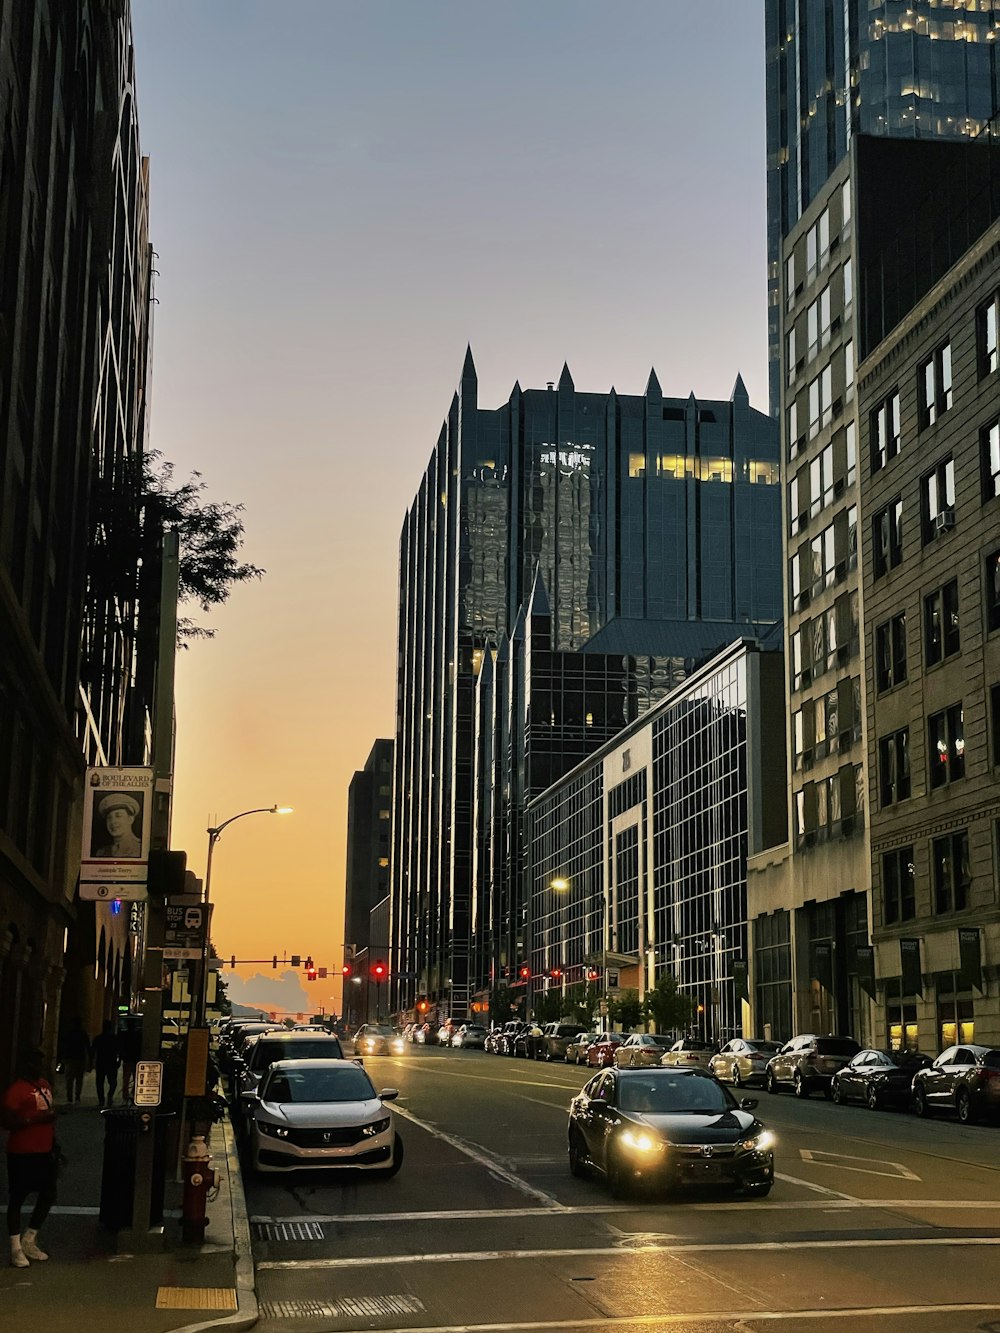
{"type": "Point", "coordinates": [692, 1055]}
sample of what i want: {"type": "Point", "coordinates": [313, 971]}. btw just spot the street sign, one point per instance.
{"type": "Point", "coordinates": [148, 1082]}
{"type": "Point", "coordinates": [612, 978]}
{"type": "Point", "coordinates": [106, 893]}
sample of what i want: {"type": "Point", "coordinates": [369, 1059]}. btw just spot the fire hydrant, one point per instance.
{"type": "Point", "coordinates": [199, 1179]}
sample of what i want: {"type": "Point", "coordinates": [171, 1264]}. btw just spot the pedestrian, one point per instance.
{"type": "Point", "coordinates": [76, 1052]}
{"type": "Point", "coordinates": [106, 1058]}
{"type": "Point", "coordinates": [26, 1112]}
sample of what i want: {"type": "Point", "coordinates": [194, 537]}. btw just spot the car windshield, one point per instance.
{"type": "Point", "coordinates": [664, 1094]}
{"type": "Point", "coordinates": [268, 1052]}
{"type": "Point", "coordinates": [837, 1046]}
{"type": "Point", "coordinates": [346, 1083]}
{"type": "Point", "coordinates": [379, 1030]}
{"type": "Point", "coordinates": [765, 1047]}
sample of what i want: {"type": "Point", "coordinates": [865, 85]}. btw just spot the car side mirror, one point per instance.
{"type": "Point", "coordinates": [748, 1104]}
{"type": "Point", "coordinates": [389, 1094]}
{"type": "Point", "coordinates": [251, 1096]}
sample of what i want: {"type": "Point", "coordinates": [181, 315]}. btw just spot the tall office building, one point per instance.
{"type": "Point", "coordinates": [369, 812]}
{"type": "Point", "coordinates": [850, 88]}
{"type": "Point", "coordinates": [632, 508]}
{"type": "Point", "coordinates": [923, 69]}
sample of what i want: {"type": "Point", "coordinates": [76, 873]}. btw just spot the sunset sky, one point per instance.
{"type": "Point", "coordinates": [343, 196]}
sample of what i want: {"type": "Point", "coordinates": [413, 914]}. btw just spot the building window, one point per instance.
{"type": "Point", "coordinates": [901, 1017]}
{"type": "Point", "coordinates": [821, 400]}
{"type": "Point", "coordinates": [995, 723]}
{"type": "Point", "coordinates": [850, 454]}
{"type": "Point", "coordinates": [899, 885]}
{"type": "Point", "coordinates": [894, 767]}
{"type": "Point", "coordinates": [934, 386]}
{"type": "Point", "coordinates": [790, 281]}
{"type": "Point", "coordinates": [993, 590]}
{"type": "Point", "coordinates": [887, 538]}
{"type": "Point", "coordinates": [818, 322]}
{"type": "Point", "coordinates": [941, 623]}
{"type": "Point", "coordinates": [790, 353]}
{"type": "Point", "coordinates": [956, 1011]}
{"type": "Point", "coordinates": [937, 500]}
{"type": "Point", "coordinates": [946, 745]}
{"type": "Point", "coordinates": [793, 429]}
{"type": "Point", "coordinates": [821, 481]}
{"type": "Point", "coordinates": [884, 431]}
{"type": "Point", "coordinates": [845, 203]}
{"type": "Point", "coordinates": [986, 336]}
{"type": "Point", "coordinates": [952, 877]}
{"type": "Point", "coordinates": [890, 653]}
{"type": "Point", "coordinates": [848, 275]}
{"type": "Point", "coordinates": [848, 367]}
{"type": "Point", "coordinates": [818, 243]}
{"type": "Point", "coordinates": [989, 438]}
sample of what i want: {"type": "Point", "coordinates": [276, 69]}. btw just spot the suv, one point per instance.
{"type": "Point", "coordinates": [809, 1062]}
{"type": "Point", "coordinates": [556, 1037]}
{"type": "Point", "coordinates": [963, 1078]}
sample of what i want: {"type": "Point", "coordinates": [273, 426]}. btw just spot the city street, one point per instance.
{"type": "Point", "coordinates": [877, 1221]}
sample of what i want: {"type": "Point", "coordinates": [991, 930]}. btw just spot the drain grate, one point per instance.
{"type": "Point", "coordinates": [288, 1231]}
{"type": "Point", "coordinates": [349, 1307]}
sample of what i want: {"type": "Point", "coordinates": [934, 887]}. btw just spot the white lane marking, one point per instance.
{"type": "Point", "coordinates": [827, 1205]}
{"type": "Point", "coordinates": [644, 1247]}
{"type": "Point", "coordinates": [480, 1155]}
{"type": "Point", "coordinates": [671, 1320]}
{"type": "Point", "coordinates": [840, 1159]}
{"type": "Point", "coordinates": [816, 1189]}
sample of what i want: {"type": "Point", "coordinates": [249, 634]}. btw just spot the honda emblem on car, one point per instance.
{"type": "Point", "coordinates": [707, 1150]}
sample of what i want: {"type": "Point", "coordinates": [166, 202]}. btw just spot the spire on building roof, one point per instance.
{"type": "Point", "coordinates": [538, 602]}
{"type": "Point", "coordinates": [468, 366]}
{"type": "Point", "coordinates": [739, 391]}
{"type": "Point", "coordinates": [566, 379]}
{"type": "Point", "coordinates": [653, 389]}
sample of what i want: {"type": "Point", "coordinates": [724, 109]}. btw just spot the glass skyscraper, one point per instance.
{"type": "Point", "coordinates": [633, 509]}
{"type": "Point", "coordinates": [913, 69]}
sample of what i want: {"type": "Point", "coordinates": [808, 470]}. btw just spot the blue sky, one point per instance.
{"type": "Point", "coordinates": [343, 196]}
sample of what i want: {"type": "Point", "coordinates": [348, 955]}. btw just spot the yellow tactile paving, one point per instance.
{"type": "Point", "coordinates": [196, 1298]}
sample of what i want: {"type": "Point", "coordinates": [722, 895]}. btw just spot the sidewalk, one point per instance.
{"type": "Point", "coordinates": [87, 1284]}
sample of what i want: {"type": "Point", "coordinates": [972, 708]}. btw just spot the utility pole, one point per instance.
{"type": "Point", "coordinates": [141, 1235]}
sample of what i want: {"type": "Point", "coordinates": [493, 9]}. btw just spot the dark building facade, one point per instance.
{"type": "Point", "coordinates": [369, 813]}
{"type": "Point", "coordinates": [75, 276]}
{"type": "Point", "coordinates": [637, 857]}
{"type": "Point", "coordinates": [631, 509]}
{"type": "Point", "coordinates": [840, 68]}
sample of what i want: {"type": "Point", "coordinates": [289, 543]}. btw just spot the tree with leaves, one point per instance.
{"type": "Point", "coordinates": [626, 1009]}
{"type": "Point", "coordinates": [211, 537]}
{"type": "Point", "coordinates": [669, 1009]}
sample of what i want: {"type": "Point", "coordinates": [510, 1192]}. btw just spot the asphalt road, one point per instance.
{"type": "Point", "coordinates": [878, 1221]}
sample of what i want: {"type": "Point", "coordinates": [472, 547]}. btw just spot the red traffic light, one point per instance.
{"type": "Point", "coordinates": [556, 972]}
{"type": "Point", "coordinates": [593, 974]}
{"type": "Point", "coordinates": [310, 974]}
{"type": "Point", "coordinates": [346, 969]}
{"type": "Point", "coordinates": [524, 973]}
{"type": "Point", "coordinates": [378, 971]}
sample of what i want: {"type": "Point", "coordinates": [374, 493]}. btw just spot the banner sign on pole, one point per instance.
{"type": "Point", "coordinates": [865, 964]}
{"type": "Point", "coordinates": [970, 959]}
{"type": "Point", "coordinates": [822, 968]}
{"type": "Point", "coordinates": [117, 814]}
{"type": "Point", "coordinates": [909, 959]}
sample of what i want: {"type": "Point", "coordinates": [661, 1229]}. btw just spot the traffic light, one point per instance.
{"type": "Point", "coordinates": [322, 974]}
{"type": "Point", "coordinates": [593, 974]}
{"type": "Point", "coordinates": [310, 974]}
{"type": "Point", "coordinates": [296, 960]}
{"type": "Point", "coordinates": [378, 971]}
{"type": "Point", "coordinates": [346, 969]}
{"type": "Point", "coordinates": [165, 873]}
{"type": "Point", "coordinates": [556, 973]}
{"type": "Point", "coordinates": [309, 962]}
{"type": "Point", "coordinates": [524, 973]}
{"type": "Point", "coordinates": [274, 962]}
{"type": "Point", "coordinates": [423, 1006]}
{"type": "Point", "coordinates": [232, 962]}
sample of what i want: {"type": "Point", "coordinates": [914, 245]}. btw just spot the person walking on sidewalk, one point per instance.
{"type": "Point", "coordinates": [106, 1057]}
{"type": "Point", "coordinates": [76, 1059]}
{"type": "Point", "coordinates": [26, 1112]}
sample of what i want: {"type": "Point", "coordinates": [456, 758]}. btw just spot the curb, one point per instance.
{"type": "Point", "coordinates": [247, 1309]}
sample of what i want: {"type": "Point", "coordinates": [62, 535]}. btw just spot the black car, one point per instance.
{"type": "Point", "coordinates": [965, 1079]}
{"type": "Point", "coordinates": [878, 1078]}
{"type": "Point", "coordinates": [668, 1128]}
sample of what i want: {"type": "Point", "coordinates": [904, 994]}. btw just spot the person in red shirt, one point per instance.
{"type": "Point", "coordinates": [26, 1112]}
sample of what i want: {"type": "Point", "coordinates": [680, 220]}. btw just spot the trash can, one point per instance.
{"type": "Point", "coordinates": [122, 1127]}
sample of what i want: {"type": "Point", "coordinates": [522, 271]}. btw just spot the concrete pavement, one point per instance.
{"type": "Point", "coordinates": [92, 1282]}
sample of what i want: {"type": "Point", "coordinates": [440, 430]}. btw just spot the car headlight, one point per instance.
{"type": "Point", "coordinates": [761, 1142]}
{"type": "Point", "coordinates": [376, 1127]}
{"type": "Point", "coordinates": [273, 1131]}
{"type": "Point", "coordinates": [642, 1143]}
{"type": "Point", "coordinates": [397, 1045]}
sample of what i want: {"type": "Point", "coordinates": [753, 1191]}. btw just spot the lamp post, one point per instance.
{"type": "Point", "coordinates": [214, 834]}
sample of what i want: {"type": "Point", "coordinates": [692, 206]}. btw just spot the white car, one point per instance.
{"type": "Point", "coordinates": [690, 1053]}
{"type": "Point", "coordinates": [322, 1114]}
{"type": "Point", "coordinates": [742, 1061]}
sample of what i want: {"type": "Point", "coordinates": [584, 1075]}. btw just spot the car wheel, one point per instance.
{"type": "Point", "coordinates": [920, 1101]}
{"type": "Point", "coordinates": [872, 1100]}
{"type": "Point", "coordinates": [619, 1179]}
{"type": "Point", "coordinates": [801, 1086]}
{"type": "Point", "coordinates": [397, 1161]}
{"type": "Point", "coordinates": [772, 1084]}
{"type": "Point", "coordinates": [836, 1092]}
{"type": "Point", "coordinates": [577, 1155]}
{"type": "Point", "coordinates": [758, 1191]}
{"type": "Point", "coordinates": [963, 1105]}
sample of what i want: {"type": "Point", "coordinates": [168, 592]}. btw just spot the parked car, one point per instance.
{"type": "Point", "coordinates": [490, 1045]}
{"type": "Point", "coordinates": [263, 1051]}
{"type": "Point", "coordinates": [469, 1037]}
{"type": "Point", "coordinates": [743, 1061]}
{"type": "Point", "coordinates": [325, 1114]}
{"type": "Point", "coordinates": [529, 1042]}
{"type": "Point", "coordinates": [690, 1053]}
{"type": "Point", "coordinates": [556, 1037]}
{"type": "Point", "coordinates": [508, 1036]}
{"type": "Point", "coordinates": [576, 1050]}
{"type": "Point", "coordinates": [378, 1039]}
{"type": "Point", "coordinates": [600, 1053]}
{"type": "Point", "coordinates": [640, 1050]}
{"type": "Point", "coordinates": [425, 1035]}
{"type": "Point", "coordinates": [808, 1063]}
{"type": "Point", "coordinates": [965, 1079]}
{"type": "Point", "coordinates": [878, 1078]}
{"type": "Point", "coordinates": [668, 1128]}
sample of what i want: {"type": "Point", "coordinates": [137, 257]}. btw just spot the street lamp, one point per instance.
{"type": "Point", "coordinates": [214, 834]}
